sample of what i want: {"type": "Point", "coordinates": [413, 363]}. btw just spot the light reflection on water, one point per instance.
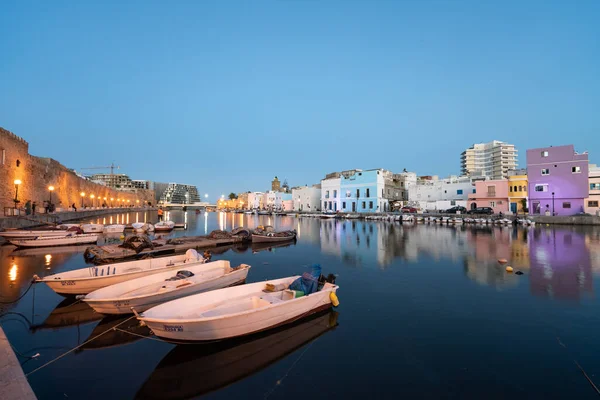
{"type": "Point", "coordinates": [402, 289]}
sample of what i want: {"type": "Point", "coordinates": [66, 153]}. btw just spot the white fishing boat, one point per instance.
{"type": "Point", "coordinates": [149, 291]}
{"type": "Point", "coordinates": [86, 280]}
{"type": "Point", "coordinates": [92, 228]}
{"type": "Point", "coordinates": [116, 228]}
{"type": "Point", "coordinates": [142, 227]}
{"type": "Point", "coordinates": [45, 241]}
{"type": "Point", "coordinates": [164, 226]}
{"type": "Point", "coordinates": [14, 234]}
{"type": "Point", "coordinates": [235, 311]}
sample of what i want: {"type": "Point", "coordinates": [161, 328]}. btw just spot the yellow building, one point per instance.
{"type": "Point", "coordinates": [517, 191]}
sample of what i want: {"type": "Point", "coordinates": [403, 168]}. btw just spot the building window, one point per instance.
{"type": "Point", "coordinates": [510, 189]}
{"type": "Point", "coordinates": [370, 205]}
{"type": "Point", "coordinates": [357, 193]}
{"type": "Point", "coordinates": [492, 204]}
{"type": "Point", "coordinates": [364, 204]}
{"type": "Point", "coordinates": [541, 188]}
{"type": "Point", "coordinates": [348, 193]}
{"type": "Point", "coordinates": [594, 186]}
{"type": "Point", "coordinates": [576, 170]}
{"type": "Point", "coordinates": [544, 154]}
{"type": "Point", "coordinates": [525, 188]}
{"type": "Point", "coordinates": [367, 193]}
{"type": "Point", "coordinates": [459, 191]}
{"type": "Point", "coordinates": [327, 194]}
{"type": "Point", "coordinates": [593, 203]}
{"type": "Point", "coordinates": [343, 204]}
{"type": "Point", "coordinates": [335, 194]}
{"type": "Point", "coordinates": [491, 190]}
{"type": "Point", "coordinates": [545, 171]}
{"type": "Point", "coordinates": [474, 191]}
{"type": "Point", "coordinates": [566, 204]}
{"type": "Point", "coordinates": [520, 188]}
{"type": "Point", "coordinates": [330, 205]}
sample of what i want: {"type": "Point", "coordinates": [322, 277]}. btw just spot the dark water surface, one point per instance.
{"type": "Point", "coordinates": [426, 312]}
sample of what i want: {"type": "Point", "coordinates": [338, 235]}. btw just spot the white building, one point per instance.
{"type": "Point", "coordinates": [492, 160]}
{"type": "Point", "coordinates": [440, 194]}
{"type": "Point", "coordinates": [255, 200]}
{"type": "Point", "coordinates": [330, 192]}
{"type": "Point", "coordinates": [307, 198]}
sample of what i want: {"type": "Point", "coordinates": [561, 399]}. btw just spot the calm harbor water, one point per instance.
{"type": "Point", "coordinates": [426, 312]}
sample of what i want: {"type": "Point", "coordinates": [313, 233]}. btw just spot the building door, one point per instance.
{"type": "Point", "coordinates": [536, 207]}
{"type": "Point", "coordinates": [335, 206]}
{"type": "Point", "coordinates": [353, 206]}
{"type": "Point", "coordinates": [513, 207]}
{"type": "Point", "coordinates": [473, 206]}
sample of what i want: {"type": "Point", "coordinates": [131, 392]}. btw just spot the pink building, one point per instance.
{"type": "Point", "coordinates": [492, 194]}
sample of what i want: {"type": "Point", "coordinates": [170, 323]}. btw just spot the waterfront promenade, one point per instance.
{"type": "Point", "coordinates": [13, 384]}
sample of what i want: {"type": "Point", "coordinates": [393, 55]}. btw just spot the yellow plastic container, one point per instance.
{"type": "Point", "coordinates": [334, 299]}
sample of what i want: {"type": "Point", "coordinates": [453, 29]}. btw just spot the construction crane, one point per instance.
{"type": "Point", "coordinates": [112, 167]}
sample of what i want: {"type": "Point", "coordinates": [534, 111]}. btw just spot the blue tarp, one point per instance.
{"type": "Point", "coordinates": [309, 281]}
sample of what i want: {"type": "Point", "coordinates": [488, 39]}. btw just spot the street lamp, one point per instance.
{"type": "Point", "coordinates": [82, 194]}
{"type": "Point", "coordinates": [51, 189]}
{"type": "Point", "coordinates": [17, 183]}
{"type": "Point", "coordinates": [92, 197]}
{"type": "Point", "coordinates": [111, 200]}
{"type": "Point", "coordinates": [552, 203]}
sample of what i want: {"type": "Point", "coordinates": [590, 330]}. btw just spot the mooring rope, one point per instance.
{"type": "Point", "coordinates": [77, 347]}
{"type": "Point", "coordinates": [20, 297]}
{"type": "Point", "coordinates": [580, 368]}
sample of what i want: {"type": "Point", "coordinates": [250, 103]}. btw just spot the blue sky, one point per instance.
{"type": "Point", "coordinates": [227, 94]}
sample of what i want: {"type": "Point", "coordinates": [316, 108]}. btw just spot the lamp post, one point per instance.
{"type": "Point", "coordinates": [82, 194]}
{"type": "Point", "coordinates": [111, 200]}
{"type": "Point", "coordinates": [17, 183]}
{"type": "Point", "coordinates": [50, 189]}
{"type": "Point", "coordinates": [104, 202]}
{"type": "Point", "coordinates": [552, 203]}
{"type": "Point", "coordinates": [92, 197]}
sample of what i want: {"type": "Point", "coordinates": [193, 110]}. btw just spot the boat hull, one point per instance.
{"type": "Point", "coordinates": [55, 241]}
{"type": "Point", "coordinates": [140, 304]}
{"type": "Point", "coordinates": [92, 228]}
{"type": "Point", "coordinates": [269, 239]}
{"type": "Point", "coordinates": [32, 234]}
{"type": "Point", "coordinates": [235, 325]}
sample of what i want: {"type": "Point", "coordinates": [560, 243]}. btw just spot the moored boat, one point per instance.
{"type": "Point", "coordinates": [236, 311]}
{"type": "Point", "coordinates": [92, 228]}
{"type": "Point", "coordinates": [164, 226]}
{"type": "Point", "coordinates": [149, 291]}
{"type": "Point", "coordinates": [70, 239]}
{"type": "Point", "coordinates": [116, 228]}
{"type": "Point", "coordinates": [88, 279]}
{"type": "Point", "coordinates": [142, 227]}
{"type": "Point", "coordinates": [21, 233]}
{"type": "Point", "coordinates": [273, 237]}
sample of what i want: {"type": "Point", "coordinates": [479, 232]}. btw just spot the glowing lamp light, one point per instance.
{"type": "Point", "coordinates": [12, 273]}
{"type": "Point", "coordinates": [17, 181]}
{"type": "Point", "coordinates": [51, 188]}
{"type": "Point", "coordinates": [111, 199]}
{"type": "Point", "coordinates": [48, 258]}
{"type": "Point", "coordinates": [82, 194]}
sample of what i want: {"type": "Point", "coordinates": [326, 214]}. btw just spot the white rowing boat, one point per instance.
{"type": "Point", "coordinates": [164, 226]}
{"type": "Point", "coordinates": [41, 241]}
{"type": "Point", "coordinates": [149, 291]}
{"type": "Point", "coordinates": [234, 311]}
{"type": "Point", "coordinates": [142, 227]}
{"type": "Point", "coordinates": [13, 234]}
{"type": "Point", "coordinates": [116, 228]}
{"type": "Point", "coordinates": [92, 228]}
{"type": "Point", "coordinates": [86, 280]}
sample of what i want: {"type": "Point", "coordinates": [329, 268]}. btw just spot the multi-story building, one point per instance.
{"type": "Point", "coordinates": [307, 198]}
{"type": "Point", "coordinates": [365, 191]}
{"type": "Point", "coordinates": [439, 194]}
{"type": "Point", "coordinates": [255, 200]}
{"type": "Point", "coordinates": [115, 181]}
{"type": "Point", "coordinates": [591, 203]}
{"type": "Point", "coordinates": [492, 160]}
{"type": "Point", "coordinates": [141, 184]}
{"type": "Point", "coordinates": [178, 193]}
{"type": "Point", "coordinates": [517, 190]}
{"type": "Point", "coordinates": [330, 192]}
{"type": "Point", "coordinates": [558, 180]}
{"type": "Point", "coordinates": [492, 193]}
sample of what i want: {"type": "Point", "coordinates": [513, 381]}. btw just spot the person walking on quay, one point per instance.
{"type": "Point", "coordinates": [160, 214]}
{"type": "Point", "coordinates": [33, 206]}
{"type": "Point", "coordinates": [73, 207]}
{"type": "Point", "coordinates": [28, 207]}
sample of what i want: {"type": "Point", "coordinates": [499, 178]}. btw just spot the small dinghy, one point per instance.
{"type": "Point", "coordinates": [70, 239]}
{"type": "Point", "coordinates": [92, 228]}
{"type": "Point", "coordinates": [268, 234]}
{"type": "Point", "coordinates": [86, 280]}
{"type": "Point", "coordinates": [142, 227]}
{"type": "Point", "coordinates": [114, 228]}
{"type": "Point", "coordinates": [241, 310]}
{"type": "Point", "coordinates": [164, 226]}
{"type": "Point", "coordinates": [149, 291]}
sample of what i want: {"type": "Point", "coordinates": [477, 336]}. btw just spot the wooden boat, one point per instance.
{"type": "Point", "coordinates": [19, 234]}
{"type": "Point", "coordinates": [273, 237]}
{"type": "Point", "coordinates": [92, 228]}
{"type": "Point", "coordinates": [264, 213]}
{"type": "Point", "coordinates": [70, 239]}
{"type": "Point", "coordinates": [116, 228]}
{"type": "Point", "coordinates": [149, 291]}
{"type": "Point", "coordinates": [86, 280]}
{"type": "Point", "coordinates": [164, 226]}
{"type": "Point", "coordinates": [201, 369]}
{"type": "Point", "coordinates": [234, 311]}
{"type": "Point", "coordinates": [142, 227]}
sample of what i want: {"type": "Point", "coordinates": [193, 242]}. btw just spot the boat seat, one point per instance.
{"type": "Point", "coordinates": [272, 299]}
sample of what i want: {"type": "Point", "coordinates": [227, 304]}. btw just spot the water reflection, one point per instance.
{"type": "Point", "coordinates": [69, 312]}
{"type": "Point", "coordinates": [128, 330]}
{"type": "Point", "coordinates": [193, 370]}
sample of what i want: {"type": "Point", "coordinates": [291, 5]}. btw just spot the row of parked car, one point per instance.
{"type": "Point", "coordinates": [456, 210]}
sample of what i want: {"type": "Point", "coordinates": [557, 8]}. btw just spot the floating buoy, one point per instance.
{"type": "Point", "coordinates": [122, 237]}
{"type": "Point", "coordinates": [502, 260]}
{"type": "Point", "coordinates": [509, 268]}
{"type": "Point", "coordinates": [334, 299]}
{"type": "Point", "coordinates": [518, 273]}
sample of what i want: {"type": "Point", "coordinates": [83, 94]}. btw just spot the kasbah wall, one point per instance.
{"type": "Point", "coordinates": [37, 174]}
